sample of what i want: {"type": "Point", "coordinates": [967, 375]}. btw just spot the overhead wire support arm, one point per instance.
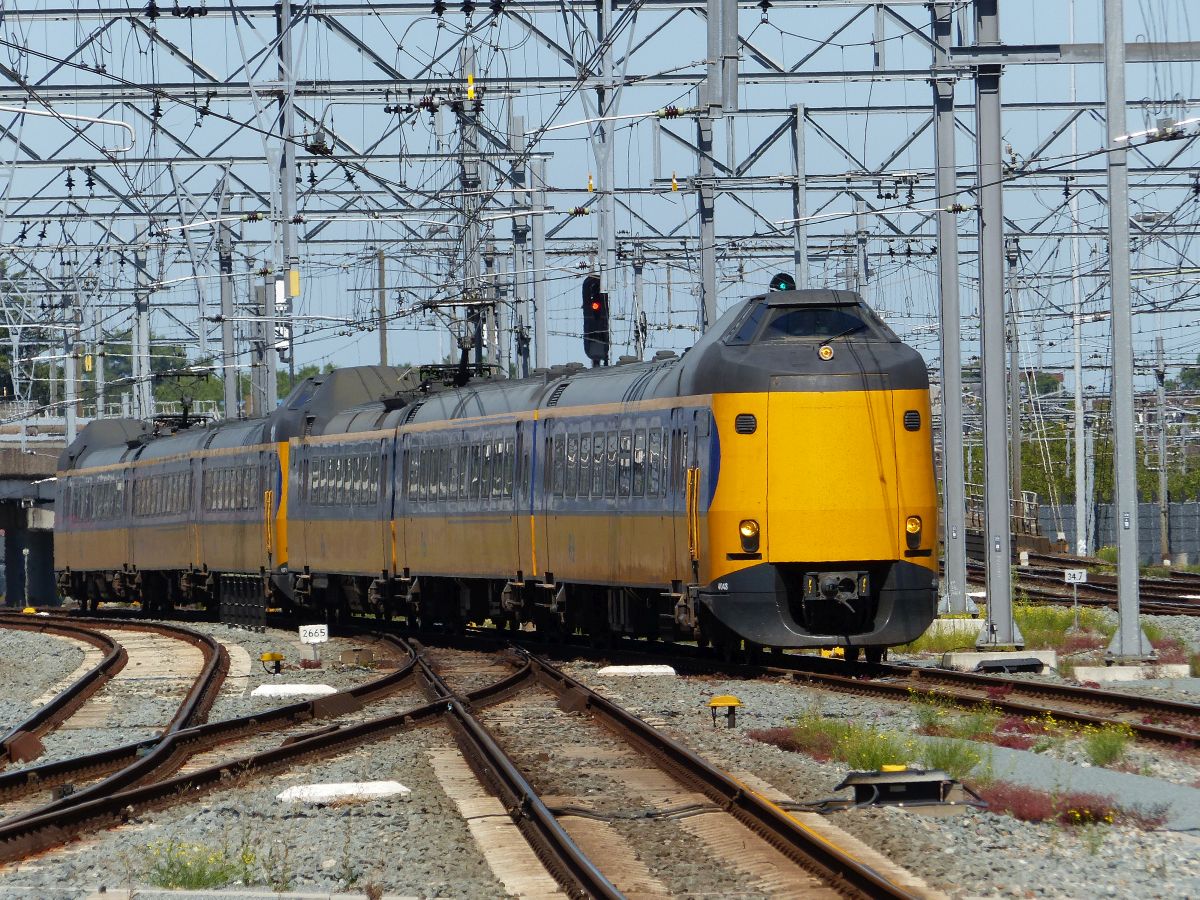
{"type": "Point", "coordinates": [51, 113]}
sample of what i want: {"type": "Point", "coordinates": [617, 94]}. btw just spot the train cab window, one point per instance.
{"type": "Point", "coordinates": [825, 322]}
{"type": "Point", "coordinates": [624, 476]}
{"type": "Point", "coordinates": [572, 465]}
{"type": "Point", "coordinates": [742, 331]}
{"type": "Point", "coordinates": [639, 463]}
{"type": "Point", "coordinates": [654, 463]}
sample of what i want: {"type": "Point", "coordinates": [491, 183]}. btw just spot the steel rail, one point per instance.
{"type": "Point", "coordinates": [780, 828]}
{"type": "Point", "coordinates": [34, 834]}
{"type": "Point", "coordinates": [558, 851]}
{"type": "Point", "coordinates": [23, 742]}
{"type": "Point", "coordinates": [1030, 699]}
{"type": "Point", "coordinates": [137, 762]}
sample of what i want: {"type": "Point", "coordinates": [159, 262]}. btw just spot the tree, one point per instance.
{"type": "Point", "coordinates": [1189, 377]}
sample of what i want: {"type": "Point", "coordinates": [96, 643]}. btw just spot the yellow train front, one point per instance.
{"type": "Point", "coordinates": [772, 486]}
{"type": "Point", "coordinates": [821, 516]}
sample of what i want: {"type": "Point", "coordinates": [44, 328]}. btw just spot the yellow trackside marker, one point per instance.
{"type": "Point", "coordinates": [470, 87]}
{"type": "Point", "coordinates": [591, 184]}
{"type": "Point", "coordinates": [293, 282]}
{"type": "Point", "coordinates": [29, 611]}
{"type": "Point", "coordinates": [674, 182]}
{"type": "Point", "coordinates": [87, 362]}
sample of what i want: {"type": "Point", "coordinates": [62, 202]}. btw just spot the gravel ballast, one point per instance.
{"type": "Point", "coordinates": [976, 854]}
{"type": "Point", "coordinates": [418, 847]}
{"type": "Point", "coordinates": [31, 664]}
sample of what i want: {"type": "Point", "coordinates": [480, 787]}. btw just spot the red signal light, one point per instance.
{"type": "Point", "coordinates": [595, 305]}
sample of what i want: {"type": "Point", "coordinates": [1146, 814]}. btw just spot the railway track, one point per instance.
{"type": "Point", "coordinates": [121, 768]}
{"type": "Point", "coordinates": [1152, 719]}
{"type": "Point", "coordinates": [123, 659]}
{"type": "Point", "coordinates": [147, 783]}
{"type": "Point", "coordinates": [23, 742]}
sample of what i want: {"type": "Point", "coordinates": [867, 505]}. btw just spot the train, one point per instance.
{"type": "Point", "coordinates": [771, 487]}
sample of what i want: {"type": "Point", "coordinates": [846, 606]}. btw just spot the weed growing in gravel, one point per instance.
{"type": "Point", "coordinates": [859, 746]}
{"type": "Point", "coordinates": [1106, 745]}
{"type": "Point", "coordinates": [941, 718]}
{"type": "Point", "coordinates": [174, 864]}
{"type": "Point", "coordinates": [938, 642]}
{"type": "Point", "coordinates": [1070, 809]}
{"type": "Point", "coordinates": [954, 757]}
{"type": "Point", "coordinates": [1046, 626]}
{"type": "Point", "coordinates": [277, 867]}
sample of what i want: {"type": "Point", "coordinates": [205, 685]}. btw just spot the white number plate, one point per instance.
{"type": "Point", "coordinates": [314, 634]}
{"type": "Point", "coordinates": [1075, 576]}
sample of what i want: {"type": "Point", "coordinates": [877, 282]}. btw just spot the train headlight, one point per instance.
{"type": "Point", "coordinates": [825, 352]}
{"type": "Point", "coordinates": [913, 526]}
{"type": "Point", "coordinates": [748, 530]}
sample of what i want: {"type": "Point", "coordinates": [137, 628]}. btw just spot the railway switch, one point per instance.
{"type": "Point", "coordinates": [726, 702]}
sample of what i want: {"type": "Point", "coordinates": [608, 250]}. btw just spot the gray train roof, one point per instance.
{"type": "Point", "coordinates": [367, 398]}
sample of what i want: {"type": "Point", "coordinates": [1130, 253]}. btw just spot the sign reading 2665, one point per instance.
{"type": "Point", "coordinates": [314, 634]}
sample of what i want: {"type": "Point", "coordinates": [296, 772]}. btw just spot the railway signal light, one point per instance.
{"type": "Point", "coordinates": [783, 282]}
{"type": "Point", "coordinates": [595, 322]}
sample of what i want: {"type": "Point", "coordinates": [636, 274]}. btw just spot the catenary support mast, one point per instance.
{"type": "Point", "coordinates": [1000, 630]}
{"type": "Point", "coordinates": [1130, 641]}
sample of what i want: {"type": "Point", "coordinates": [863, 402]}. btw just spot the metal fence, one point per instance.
{"type": "Point", "coordinates": [1184, 519]}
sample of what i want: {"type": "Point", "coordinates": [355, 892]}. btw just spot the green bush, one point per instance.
{"type": "Point", "coordinates": [1107, 744]}
{"type": "Point", "coordinates": [174, 864]}
{"type": "Point", "coordinates": [1046, 626]}
{"type": "Point", "coordinates": [954, 757]}
{"type": "Point", "coordinates": [977, 724]}
{"type": "Point", "coordinates": [859, 746]}
{"type": "Point", "coordinates": [1108, 554]}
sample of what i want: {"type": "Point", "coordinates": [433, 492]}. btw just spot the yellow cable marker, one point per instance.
{"type": "Point", "coordinates": [470, 87]}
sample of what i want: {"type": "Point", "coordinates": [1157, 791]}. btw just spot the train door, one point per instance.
{"type": "Point", "coordinates": [685, 495]}
{"type": "Point", "coordinates": [523, 518]}
{"type": "Point", "coordinates": [195, 511]}
{"type": "Point", "coordinates": [377, 477]}
{"type": "Point", "coordinates": [550, 539]}
{"type": "Point", "coordinates": [269, 469]}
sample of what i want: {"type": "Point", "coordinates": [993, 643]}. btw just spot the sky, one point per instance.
{"type": "Point", "coordinates": [338, 281]}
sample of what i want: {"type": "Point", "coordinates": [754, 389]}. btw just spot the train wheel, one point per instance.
{"type": "Point", "coordinates": [876, 655]}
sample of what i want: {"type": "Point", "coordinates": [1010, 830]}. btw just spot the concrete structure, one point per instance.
{"type": "Point", "coordinates": [27, 522]}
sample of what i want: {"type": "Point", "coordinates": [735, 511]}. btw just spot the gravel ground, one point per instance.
{"type": "Point", "coordinates": [977, 854]}
{"type": "Point", "coordinates": [30, 664]}
{"type": "Point", "coordinates": [419, 847]}
{"type": "Point", "coordinates": [235, 699]}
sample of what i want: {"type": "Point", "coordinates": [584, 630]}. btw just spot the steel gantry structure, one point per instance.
{"type": "Point", "coordinates": [270, 182]}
